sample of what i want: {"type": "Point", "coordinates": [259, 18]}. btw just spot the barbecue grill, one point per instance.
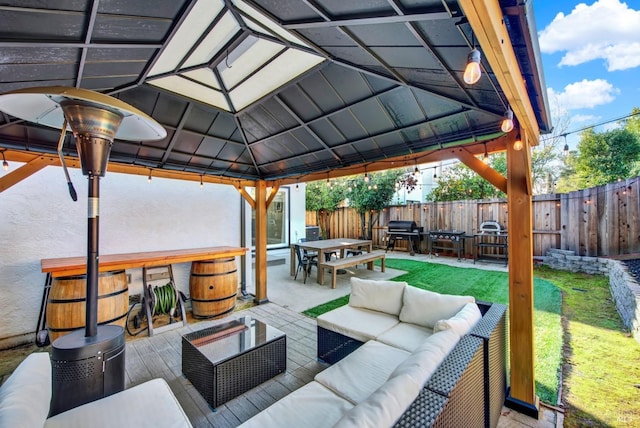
{"type": "Point", "coordinates": [400, 230]}
{"type": "Point", "coordinates": [491, 227]}
{"type": "Point", "coordinates": [491, 242]}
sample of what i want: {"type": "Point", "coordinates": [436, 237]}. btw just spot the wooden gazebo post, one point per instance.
{"type": "Point", "coordinates": [488, 24]}
{"type": "Point", "coordinates": [522, 395]}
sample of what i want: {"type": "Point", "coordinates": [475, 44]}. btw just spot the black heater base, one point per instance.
{"type": "Point", "coordinates": [85, 369]}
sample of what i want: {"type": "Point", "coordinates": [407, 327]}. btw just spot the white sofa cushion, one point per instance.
{"type": "Point", "coordinates": [421, 364]}
{"type": "Point", "coordinates": [405, 336]}
{"type": "Point", "coordinates": [383, 296]}
{"type": "Point", "coordinates": [25, 397]}
{"type": "Point", "coordinates": [462, 322]}
{"type": "Point", "coordinates": [150, 404]}
{"type": "Point", "coordinates": [425, 308]}
{"type": "Point", "coordinates": [360, 324]}
{"type": "Point", "coordinates": [311, 406]}
{"type": "Point", "coordinates": [363, 371]}
{"type": "Point", "coordinates": [384, 407]}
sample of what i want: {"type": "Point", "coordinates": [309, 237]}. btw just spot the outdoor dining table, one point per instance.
{"type": "Point", "coordinates": [327, 245]}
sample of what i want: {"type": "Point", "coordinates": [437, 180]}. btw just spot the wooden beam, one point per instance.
{"type": "Point", "coordinates": [520, 231]}
{"type": "Point", "coordinates": [31, 167]}
{"type": "Point", "coordinates": [247, 197]}
{"type": "Point", "coordinates": [272, 195]}
{"type": "Point", "coordinates": [487, 21]}
{"type": "Point", "coordinates": [483, 169]}
{"type": "Point", "coordinates": [74, 162]}
{"type": "Point", "coordinates": [261, 243]}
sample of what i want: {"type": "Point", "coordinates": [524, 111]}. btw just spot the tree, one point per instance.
{"type": "Point", "coordinates": [369, 198]}
{"type": "Point", "coordinates": [601, 158]}
{"type": "Point", "coordinates": [460, 182]}
{"type": "Point", "coordinates": [324, 200]}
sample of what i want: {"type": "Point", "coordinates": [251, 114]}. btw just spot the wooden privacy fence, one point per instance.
{"type": "Point", "coordinates": [600, 221]}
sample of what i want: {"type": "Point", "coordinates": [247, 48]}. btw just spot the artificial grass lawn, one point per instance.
{"type": "Point", "coordinates": [490, 286]}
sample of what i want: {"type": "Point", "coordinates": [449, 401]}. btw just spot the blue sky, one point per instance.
{"type": "Point", "coordinates": [591, 60]}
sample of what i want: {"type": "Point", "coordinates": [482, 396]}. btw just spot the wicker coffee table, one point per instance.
{"type": "Point", "coordinates": [228, 359]}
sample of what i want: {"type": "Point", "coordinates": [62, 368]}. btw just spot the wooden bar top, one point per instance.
{"type": "Point", "coordinates": [68, 266]}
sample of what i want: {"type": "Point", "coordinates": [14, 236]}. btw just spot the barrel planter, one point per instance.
{"type": "Point", "coordinates": [66, 306]}
{"type": "Point", "coordinates": [213, 287]}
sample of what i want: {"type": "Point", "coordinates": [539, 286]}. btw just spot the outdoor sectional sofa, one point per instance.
{"type": "Point", "coordinates": [25, 399]}
{"type": "Point", "coordinates": [403, 357]}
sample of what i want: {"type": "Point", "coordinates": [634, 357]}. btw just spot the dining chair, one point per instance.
{"type": "Point", "coordinates": [305, 263]}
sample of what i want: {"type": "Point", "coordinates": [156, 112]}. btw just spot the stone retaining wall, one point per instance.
{"type": "Point", "coordinates": [624, 288]}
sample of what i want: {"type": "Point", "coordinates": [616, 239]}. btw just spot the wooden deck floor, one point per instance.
{"type": "Point", "coordinates": [160, 356]}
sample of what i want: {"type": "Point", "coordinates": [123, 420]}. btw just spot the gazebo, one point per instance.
{"type": "Point", "coordinates": [265, 93]}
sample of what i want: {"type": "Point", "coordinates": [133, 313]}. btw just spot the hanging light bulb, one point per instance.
{"type": "Point", "coordinates": [149, 178]}
{"type": "Point", "coordinates": [375, 187]}
{"type": "Point", "coordinates": [485, 159]}
{"type": "Point", "coordinates": [328, 183]}
{"type": "Point", "coordinates": [366, 177]}
{"type": "Point", "coordinates": [472, 71]}
{"type": "Point", "coordinates": [507, 122]}
{"type": "Point", "coordinates": [297, 187]}
{"type": "Point", "coordinates": [5, 164]}
{"type": "Point", "coordinates": [435, 175]}
{"type": "Point", "coordinates": [201, 183]}
{"type": "Point", "coordinates": [517, 145]}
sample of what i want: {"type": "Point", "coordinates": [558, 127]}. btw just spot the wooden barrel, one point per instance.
{"type": "Point", "coordinates": [66, 306]}
{"type": "Point", "coordinates": [213, 287]}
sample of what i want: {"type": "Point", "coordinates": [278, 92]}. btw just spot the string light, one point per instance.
{"type": "Point", "coordinates": [507, 122]}
{"type": "Point", "coordinates": [485, 159]}
{"type": "Point", "coordinates": [149, 178]}
{"type": "Point", "coordinates": [517, 145]}
{"type": "Point", "coordinates": [366, 177]}
{"type": "Point", "coordinates": [201, 183]}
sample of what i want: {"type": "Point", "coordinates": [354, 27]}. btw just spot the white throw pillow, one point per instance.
{"type": "Point", "coordinates": [26, 395]}
{"type": "Point", "coordinates": [424, 361]}
{"type": "Point", "coordinates": [382, 296]}
{"type": "Point", "coordinates": [425, 308]}
{"type": "Point", "coordinates": [462, 322]}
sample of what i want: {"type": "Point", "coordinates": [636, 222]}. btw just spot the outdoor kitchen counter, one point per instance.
{"type": "Point", "coordinates": [68, 266]}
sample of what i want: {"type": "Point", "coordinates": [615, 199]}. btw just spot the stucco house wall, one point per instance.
{"type": "Point", "coordinates": [39, 220]}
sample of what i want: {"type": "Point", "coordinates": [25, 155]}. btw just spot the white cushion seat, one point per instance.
{"type": "Point", "coordinates": [405, 336]}
{"type": "Point", "coordinates": [365, 370]}
{"type": "Point", "coordinates": [311, 406]}
{"type": "Point", "coordinates": [150, 404]}
{"type": "Point", "coordinates": [360, 324]}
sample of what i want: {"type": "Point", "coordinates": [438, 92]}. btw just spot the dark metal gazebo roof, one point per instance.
{"type": "Point", "coordinates": [378, 78]}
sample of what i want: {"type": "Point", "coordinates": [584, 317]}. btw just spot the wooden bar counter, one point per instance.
{"type": "Point", "coordinates": [68, 266]}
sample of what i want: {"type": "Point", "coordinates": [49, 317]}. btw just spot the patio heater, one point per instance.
{"type": "Point", "coordinates": [86, 365]}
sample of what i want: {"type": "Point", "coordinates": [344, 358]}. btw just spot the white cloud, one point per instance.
{"type": "Point", "coordinates": [584, 118]}
{"type": "Point", "coordinates": [583, 94]}
{"type": "Point", "coordinates": [607, 30]}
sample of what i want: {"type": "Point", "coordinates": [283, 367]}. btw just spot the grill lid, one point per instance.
{"type": "Point", "coordinates": [491, 226]}
{"type": "Point", "coordinates": [402, 226]}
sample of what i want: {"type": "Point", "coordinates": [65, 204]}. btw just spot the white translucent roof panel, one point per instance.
{"type": "Point", "coordinates": [253, 58]}
{"type": "Point", "coordinates": [290, 64]}
{"type": "Point", "coordinates": [204, 75]}
{"type": "Point", "coordinates": [214, 41]}
{"type": "Point", "coordinates": [192, 90]}
{"type": "Point", "coordinates": [266, 22]}
{"type": "Point", "coordinates": [197, 21]}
